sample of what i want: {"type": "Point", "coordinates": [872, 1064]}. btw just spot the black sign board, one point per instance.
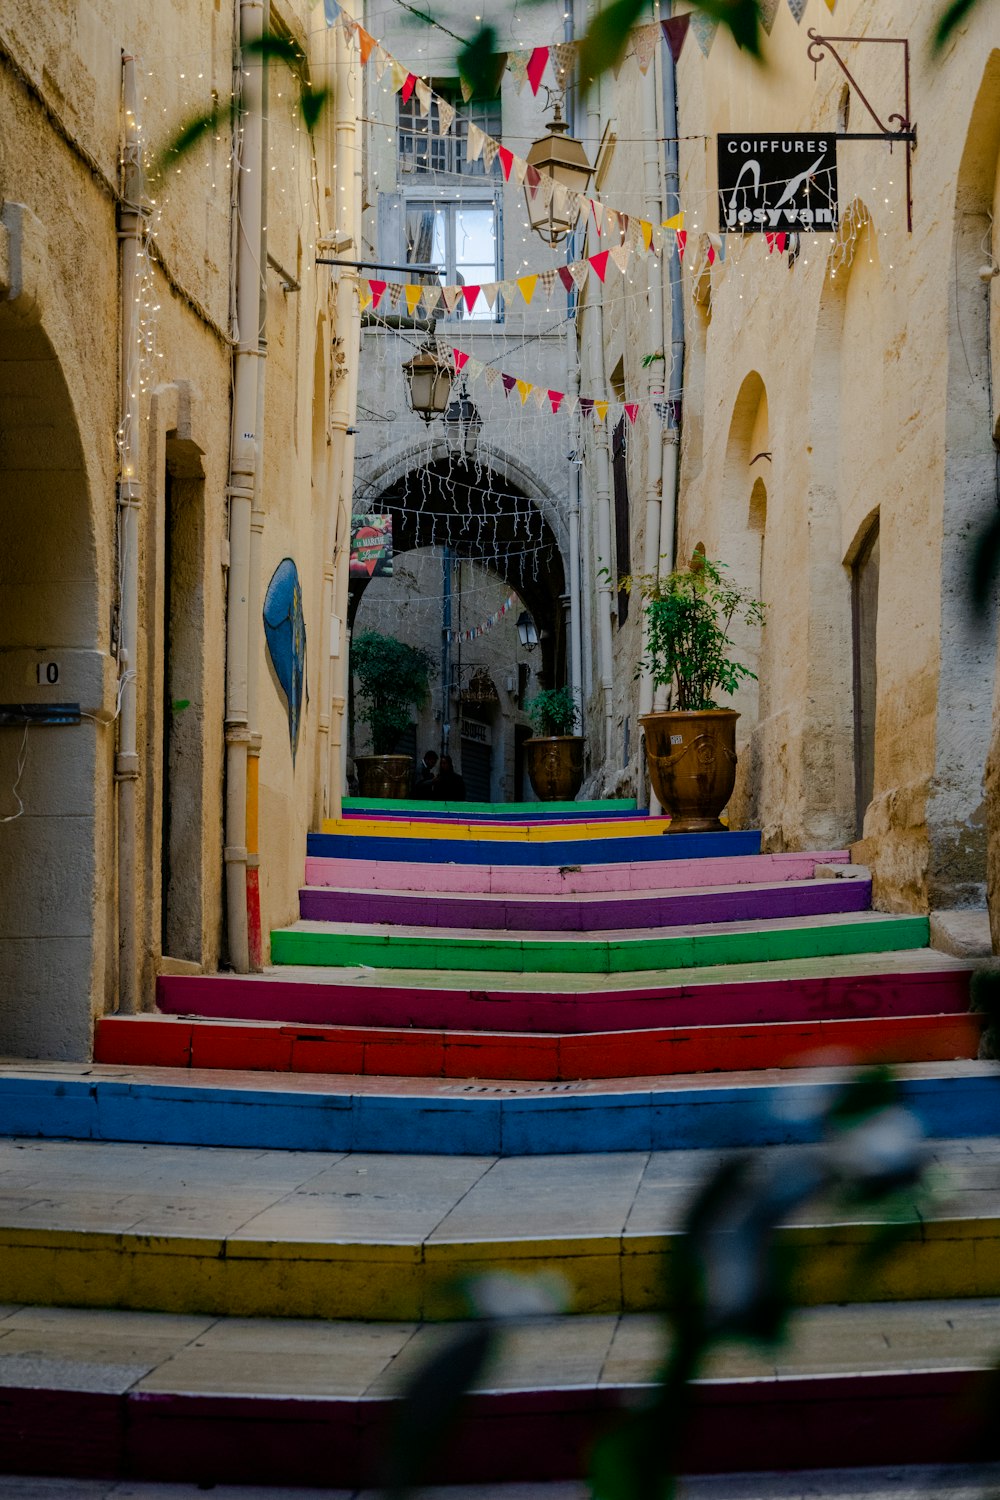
{"type": "Point", "coordinates": [777, 184]}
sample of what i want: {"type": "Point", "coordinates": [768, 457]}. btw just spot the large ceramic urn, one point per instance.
{"type": "Point", "coordinates": [691, 757]}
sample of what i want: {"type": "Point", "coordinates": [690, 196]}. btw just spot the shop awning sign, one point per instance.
{"type": "Point", "coordinates": [777, 184]}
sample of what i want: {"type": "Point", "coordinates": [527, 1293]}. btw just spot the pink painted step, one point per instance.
{"type": "Point", "coordinates": [919, 983]}
{"type": "Point", "coordinates": [541, 880]}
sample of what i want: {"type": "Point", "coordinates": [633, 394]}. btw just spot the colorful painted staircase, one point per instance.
{"type": "Point", "coordinates": [504, 1037]}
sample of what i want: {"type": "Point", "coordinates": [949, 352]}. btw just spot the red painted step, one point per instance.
{"type": "Point", "coordinates": [273, 1047]}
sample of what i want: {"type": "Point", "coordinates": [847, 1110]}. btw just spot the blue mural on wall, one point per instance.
{"type": "Point", "coordinates": [285, 632]}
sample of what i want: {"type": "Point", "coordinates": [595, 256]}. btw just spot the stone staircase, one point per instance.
{"type": "Point", "coordinates": [508, 1038]}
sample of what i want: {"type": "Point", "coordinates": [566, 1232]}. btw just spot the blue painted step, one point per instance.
{"type": "Point", "coordinates": [454, 1118]}
{"type": "Point", "coordinates": [570, 853]}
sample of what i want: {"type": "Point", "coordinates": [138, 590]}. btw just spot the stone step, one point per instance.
{"type": "Point", "coordinates": [592, 849]}
{"type": "Point", "coordinates": [635, 826]}
{"type": "Point", "coordinates": [454, 1117]}
{"type": "Point", "coordinates": [576, 880]}
{"type": "Point", "coordinates": [913, 982]}
{"type": "Point", "coordinates": [204, 1400]}
{"type": "Point", "coordinates": [272, 1046]}
{"type": "Point", "coordinates": [599, 952]}
{"type": "Point", "coordinates": [727, 903]}
{"type": "Point", "coordinates": [388, 1239]}
{"type": "Point", "coordinates": [609, 807]}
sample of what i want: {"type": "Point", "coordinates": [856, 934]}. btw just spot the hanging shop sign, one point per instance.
{"type": "Point", "coordinates": [777, 184]}
{"type": "Point", "coordinates": [371, 546]}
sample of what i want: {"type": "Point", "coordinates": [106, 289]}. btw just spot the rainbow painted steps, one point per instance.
{"type": "Point", "coordinates": [207, 1401]}
{"type": "Point", "coordinates": [684, 947]}
{"type": "Point", "coordinates": [460, 1117]}
{"type": "Point", "coordinates": [554, 845]}
{"type": "Point", "coordinates": [380, 1238]}
{"type": "Point", "coordinates": [544, 812]}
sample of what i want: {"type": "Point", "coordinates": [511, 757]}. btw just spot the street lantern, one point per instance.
{"type": "Point", "coordinates": [561, 157]}
{"type": "Point", "coordinates": [462, 424]}
{"type": "Point", "coordinates": [428, 383]}
{"type": "Point", "coordinates": [526, 632]}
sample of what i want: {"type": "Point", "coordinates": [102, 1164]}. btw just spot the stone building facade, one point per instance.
{"type": "Point", "coordinates": [838, 430]}
{"type": "Point", "coordinates": [119, 477]}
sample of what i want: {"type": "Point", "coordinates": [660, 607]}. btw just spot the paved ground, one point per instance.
{"type": "Point", "coordinates": [840, 1484]}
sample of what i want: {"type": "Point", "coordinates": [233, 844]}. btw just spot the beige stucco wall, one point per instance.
{"type": "Point", "coordinates": [862, 369]}
{"type": "Point", "coordinates": [60, 334]}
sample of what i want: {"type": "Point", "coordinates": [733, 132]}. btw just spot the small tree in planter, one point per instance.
{"type": "Point", "coordinates": [393, 679]}
{"type": "Point", "coordinates": [691, 746]}
{"type": "Point", "coordinates": [554, 758]}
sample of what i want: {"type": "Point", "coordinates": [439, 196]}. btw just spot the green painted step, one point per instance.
{"type": "Point", "coordinates": [512, 810]}
{"type": "Point", "coordinates": [319, 943]}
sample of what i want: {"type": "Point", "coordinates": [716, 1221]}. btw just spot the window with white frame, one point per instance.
{"type": "Point", "coordinates": [424, 150]}
{"type": "Point", "coordinates": [461, 237]}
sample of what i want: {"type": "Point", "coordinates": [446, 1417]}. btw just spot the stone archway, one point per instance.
{"type": "Point", "coordinates": [50, 847]}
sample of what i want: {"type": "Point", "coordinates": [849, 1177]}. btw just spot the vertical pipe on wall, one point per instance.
{"type": "Point", "coordinates": [254, 601]}
{"type": "Point", "coordinates": [131, 227]}
{"type": "Point", "coordinates": [242, 478]}
{"type": "Point", "coordinates": [675, 373]}
{"type": "Point", "coordinates": [573, 390]}
{"type": "Point", "coordinates": [343, 415]}
{"type": "Point", "coordinates": [602, 485]}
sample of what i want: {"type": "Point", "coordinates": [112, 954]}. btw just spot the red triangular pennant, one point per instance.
{"type": "Point", "coordinates": [599, 263]}
{"type": "Point", "coordinates": [532, 178]}
{"type": "Point", "coordinates": [378, 289]}
{"type": "Point", "coordinates": [409, 82]}
{"type": "Point", "coordinates": [674, 32]}
{"type": "Point", "coordinates": [509, 382]}
{"type": "Point", "coordinates": [566, 277]}
{"type": "Point", "coordinates": [461, 360]}
{"type": "Point", "coordinates": [632, 409]}
{"type": "Point", "coordinates": [556, 399]}
{"type": "Point", "coordinates": [471, 295]}
{"type": "Point", "coordinates": [682, 240]}
{"type": "Point", "coordinates": [781, 240]}
{"type": "Point", "coordinates": [506, 161]}
{"type": "Point", "coordinates": [536, 67]}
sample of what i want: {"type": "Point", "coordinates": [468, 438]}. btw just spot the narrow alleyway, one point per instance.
{"type": "Point", "coordinates": [496, 1039]}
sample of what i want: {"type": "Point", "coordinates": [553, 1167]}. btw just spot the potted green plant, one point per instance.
{"type": "Point", "coordinates": [554, 757]}
{"type": "Point", "coordinates": [392, 679]}
{"type": "Point", "coordinates": [691, 744]}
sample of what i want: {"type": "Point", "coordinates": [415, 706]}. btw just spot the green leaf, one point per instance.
{"type": "Point", "coordinates": [949, 21]}
{"type": "Point", "coordinates": [276, 49]}
{"type": "Point", "coordinates": [481, 64]}
{"type": "Point", "coordinates": [606, 38]}
{"type": "Point", "coordinates": [194, 131]}
{"type": "Point", "coordinates": [313, 102]}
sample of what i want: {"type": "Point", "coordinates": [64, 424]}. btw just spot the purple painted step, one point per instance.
{"type": "Point", "coordinates": [900, 984]}
{"type": "Point", "coordinates": [588, 913]}
{"type": "Point", "coordinates": [570, 880]}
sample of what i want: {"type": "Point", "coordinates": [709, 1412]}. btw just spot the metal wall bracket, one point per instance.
{"type": "Point", "coordinates": [905, 132]}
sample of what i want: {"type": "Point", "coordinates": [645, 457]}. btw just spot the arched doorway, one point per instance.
{"type": "Point", "coordinates": [49, 956]}
{"type": "Point", "coordinates": [473, 549]}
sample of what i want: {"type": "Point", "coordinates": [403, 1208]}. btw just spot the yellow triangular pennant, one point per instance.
{"type": "Point", "coordinates": [527, 285]}
{"type": "Point", "coordinates": [414, 292]}
{"type": "Point", "coordinates": [601, 408]}
{"type": "Point", "coordinates": [677, 222]}
{"type": "Point", "coordinates": [647, 233]}
{"type": "Point", "coordinates": [524, 389]}
{"type": "Point", "coordinates": [364, 294]}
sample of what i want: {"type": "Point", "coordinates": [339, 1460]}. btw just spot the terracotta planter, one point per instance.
{"type": "Point", "coordinates": [383, 775]}
{"type": "Point", "coordinates": [555, 766]}
{"type": "Point", "coordinates": [692, 765]}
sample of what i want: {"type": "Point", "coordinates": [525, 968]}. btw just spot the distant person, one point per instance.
{"type": "Point", "coordinates": [448, 785]}
{"type": "Point", "coordinates": [423, 785]}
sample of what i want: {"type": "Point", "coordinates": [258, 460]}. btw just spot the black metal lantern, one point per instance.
{"type": "Point", "coordinates": [462, 424]}
{"type": "Point", "coordinates": [428, 383]}
{"type": "Point", "coordinates": [526, 632]}
{"type": "Point", "coordinates": [560, 157]}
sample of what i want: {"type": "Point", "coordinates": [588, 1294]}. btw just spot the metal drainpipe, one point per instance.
{"type": "Point", "coordinates": [131, 227]}
{"type": "Point", "coordinates": [255, 940]}
{"type": "Point", "coordinates": [242, 482]}
{"type": "Point", "coordinates": [602, 485]}
{"type": "Point", "coordinates": [343, 417]}
{"type": "Point", "coordinates": [675, 383]}
{"type": "Point", "coordinates": [656, 374]}
{"type": "Point", "coordinates": [572, 390]}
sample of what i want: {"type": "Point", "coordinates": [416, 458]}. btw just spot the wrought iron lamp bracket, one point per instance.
{"type": "Point", "coordinates": [906, 131]}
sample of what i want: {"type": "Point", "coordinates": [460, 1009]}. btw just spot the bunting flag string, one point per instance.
{"type": "Point", "coordinates": [475, 631]}
{"type": "Point", "coordinates": [570, 277]}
